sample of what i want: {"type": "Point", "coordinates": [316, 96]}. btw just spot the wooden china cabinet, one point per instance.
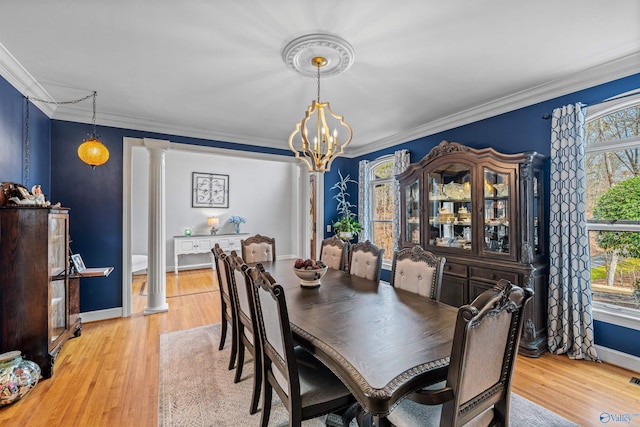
{"type": "Point", "coordinates": [34, 282]}
{"type": "Point", "coordinates": [484, 211]}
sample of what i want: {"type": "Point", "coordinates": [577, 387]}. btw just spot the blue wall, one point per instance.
{"type": "Point", "coordinates": [12, 129]}
{"type": "Point", "coordinates": [95, 199]}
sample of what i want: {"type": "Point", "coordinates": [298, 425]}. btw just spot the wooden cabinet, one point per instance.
{"type": "Point", "coordinates": [34, 283]}
{"type": "Point", "coordinates": [484, 212]}
{"type": "Point", "coordinates": [184, 245]}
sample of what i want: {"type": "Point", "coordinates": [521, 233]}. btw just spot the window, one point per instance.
{"type": "Point", "coordinates": [612, 159]}
{"type": "Point", "coordinates": [382, 204]}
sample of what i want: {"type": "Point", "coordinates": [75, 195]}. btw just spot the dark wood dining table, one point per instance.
{"type": "Point", "coordinates": [382, 342]}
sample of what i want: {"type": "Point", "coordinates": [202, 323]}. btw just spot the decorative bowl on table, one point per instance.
{"type": "Point", "coordinates": [310, 272]}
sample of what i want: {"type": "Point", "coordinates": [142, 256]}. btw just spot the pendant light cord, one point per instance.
{"type": "Point", "coordinates": [73, 101]}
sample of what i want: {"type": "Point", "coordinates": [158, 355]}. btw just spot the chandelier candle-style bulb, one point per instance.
{"type": "Point", "coordinates": [325, 148]}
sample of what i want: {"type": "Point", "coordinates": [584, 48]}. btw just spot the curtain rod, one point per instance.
{"type": "Point", "coordinates": [634, 92]}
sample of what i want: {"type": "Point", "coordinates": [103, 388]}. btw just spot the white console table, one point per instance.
{"type": "Point", "coordinates": [183, 245]}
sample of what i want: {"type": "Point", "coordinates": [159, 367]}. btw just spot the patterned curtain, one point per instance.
{"type": "Point", "coordinates": [570, 322]}
{"type": "Point", "coordinates": [401, 163]}
{"type": "Point", "coordinates": [363, 200]}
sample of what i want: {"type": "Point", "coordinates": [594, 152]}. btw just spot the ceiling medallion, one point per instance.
{"type": "Point", "coordinates": [299, 53]}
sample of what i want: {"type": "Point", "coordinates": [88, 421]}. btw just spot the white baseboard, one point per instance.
{"type": "Point", "coordinates": [95, 316]}
{"type": "Point", "coordinates": [170, 269]}
{"type": "Point", "coordinates": [618, 358]}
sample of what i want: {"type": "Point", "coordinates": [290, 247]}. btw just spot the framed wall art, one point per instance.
{"type": "Point", "coordinates": [209, 190]}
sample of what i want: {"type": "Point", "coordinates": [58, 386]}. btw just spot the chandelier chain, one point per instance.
{"type": "Point", "coordinates": [318, 65]}
{"type": "Point", "coordinates": [73, 101]}
{"type": "Point", "coordinates": [26, 145]}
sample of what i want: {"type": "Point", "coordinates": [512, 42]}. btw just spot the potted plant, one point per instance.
{"type": "Point", "coordinates": [347, 225]}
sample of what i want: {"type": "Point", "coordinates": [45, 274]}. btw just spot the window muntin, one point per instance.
{"type": "Point", "coordinates": [612, 160]}
{"type": "Point", "coordinates": [382, 204]}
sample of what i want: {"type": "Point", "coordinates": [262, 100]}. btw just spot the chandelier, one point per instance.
{"type": "Point", "coordinates": [322, 135]}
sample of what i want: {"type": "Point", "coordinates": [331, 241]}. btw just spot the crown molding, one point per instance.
{"type": "Point", "coordinates": [624, 66]}
{"type": "Point", "coordinates": [24, 82]}
{"type": "Point", "coordinates": [616, 69]}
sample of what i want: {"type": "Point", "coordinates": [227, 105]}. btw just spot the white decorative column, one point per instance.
{"type": "Point", "coordinates": [156, 270]}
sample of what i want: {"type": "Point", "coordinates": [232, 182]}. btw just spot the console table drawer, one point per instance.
{"type": "Point", "coordinates": [229, 244]}
{"type": "Point", "coordinates": [493, 275]}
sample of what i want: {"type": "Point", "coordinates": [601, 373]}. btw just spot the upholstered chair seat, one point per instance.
{"type": "Point", "coordinates": [334, 252]}
{"type": "Point", "coordinates": [417, 270]}
{"type": "Point", "coordinates": [365, 260]}
{"type": "Point", "coordinates": [258, 249]}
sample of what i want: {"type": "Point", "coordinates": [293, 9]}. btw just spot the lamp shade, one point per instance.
{"type": "Point", "coordinates": [93, 152]}
{"type": "Point", "coordinates": [213, 221]}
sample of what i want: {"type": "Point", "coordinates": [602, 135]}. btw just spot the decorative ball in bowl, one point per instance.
{"type": "Point", "coordinates": [309, 271]}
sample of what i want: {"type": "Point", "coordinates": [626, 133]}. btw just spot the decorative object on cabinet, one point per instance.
{"type": "Point", "coordinates": [236, 221]}
{"type": "Point", "coordinates": [213, 222]}
{"type": "Point", "coordinates": [347, 225]}
{"type": "Point", "coordinates": [34, 283]}
{"type": "Point", "coordinates": [209, 190]}
{"type": "Point", "coordinates": [17, 194]}
{"type": "Point", "coordinates": [484, 211]}
{"type": "Point", "coordinates": [319, 144]}
{"type": "Point", "coordinates": [17, 377]}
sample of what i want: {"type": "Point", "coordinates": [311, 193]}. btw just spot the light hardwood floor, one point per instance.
{"type": "Point", "coordinates": [109, 375]}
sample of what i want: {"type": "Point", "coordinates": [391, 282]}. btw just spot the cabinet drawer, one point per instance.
{"type": "Point", "coordinates": [454, 269]}
{"type": "Point", "coordinates": [493, 275]}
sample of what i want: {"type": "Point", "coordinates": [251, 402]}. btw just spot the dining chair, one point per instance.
{"type": "Point", "coordinates": [483, 355]}
{"type": "Point", "coordinates": [365, 260]}
{"type": "Point", "coordinates": [246, 334]}
{"type": "Point", "coordinates": [417, 270]}
{"type": "Point", "coordinates": [334, 253]}
{"type": "Point", "coordinates": [227, 301]}
{"type": "Point", "coordinates": [306, 387]}
{"type": "Point", "coordinates": [258, 249]}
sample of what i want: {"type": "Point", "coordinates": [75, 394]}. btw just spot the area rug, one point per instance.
{"type": "Point", "coordinates": [197, 389]}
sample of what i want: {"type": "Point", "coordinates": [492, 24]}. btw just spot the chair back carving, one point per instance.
{"type": "Point", "coordinates": [334, 252]}
{"type": "Point", "coordinates": [258, 249]}
{"type": "Point", "coordinates": [417, 270]}
{"type": "Point", "coordinates": [483, 354]}
{"type": "Point", "coordinates": [365, 260]}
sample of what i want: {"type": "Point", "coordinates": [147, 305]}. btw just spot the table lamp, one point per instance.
{"type": "Point", "coordinates": [213, 222]}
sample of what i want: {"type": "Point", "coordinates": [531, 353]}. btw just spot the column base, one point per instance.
{"type": "Point", "coordinates": [153, 310]}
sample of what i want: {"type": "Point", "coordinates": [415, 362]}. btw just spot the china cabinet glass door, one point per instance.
{"type": "Point", "coordinates": [412, 197]}
{"type": "Point", "coordinates": [58, 259]}
{"type": "Point", "coordinates": [497, 205]}
{"type": "Point", "coordinates": [449, 204]}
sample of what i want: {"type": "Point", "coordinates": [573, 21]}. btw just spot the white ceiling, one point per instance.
{"type": "Point", "coordinates": [214, 69]}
